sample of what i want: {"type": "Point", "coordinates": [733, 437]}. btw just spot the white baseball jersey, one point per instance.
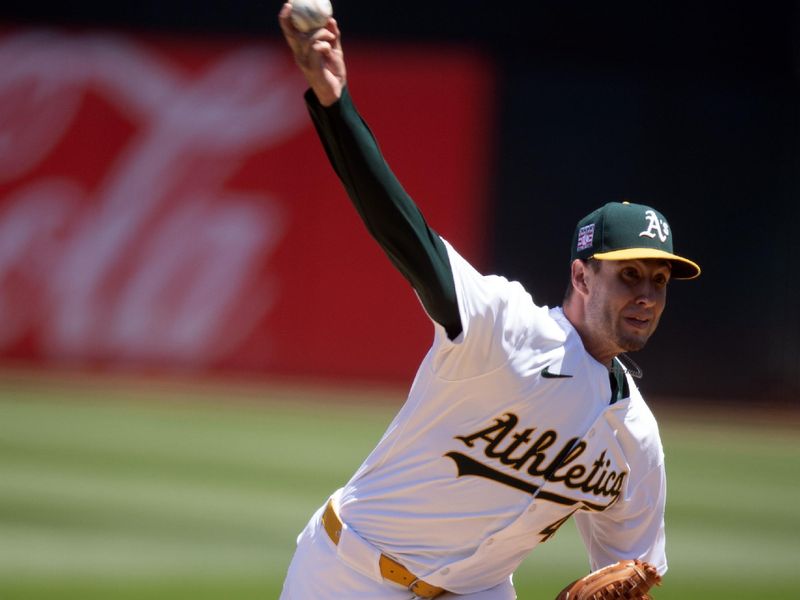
{"type": "Point", "coordinates": [456, 489]}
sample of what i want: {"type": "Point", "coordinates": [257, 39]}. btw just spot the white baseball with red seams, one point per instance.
{"type": "Point", "coordinates": [308, 15]}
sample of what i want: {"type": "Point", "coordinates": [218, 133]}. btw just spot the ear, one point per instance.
{"type": "Point", "coordinates": [579, 273]}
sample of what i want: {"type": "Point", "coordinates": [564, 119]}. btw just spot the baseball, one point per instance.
{"type": "Point", "coordinates": [308, 15]}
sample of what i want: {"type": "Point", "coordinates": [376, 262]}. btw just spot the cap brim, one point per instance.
{"type": "Point", "coordinates": [682, 268]}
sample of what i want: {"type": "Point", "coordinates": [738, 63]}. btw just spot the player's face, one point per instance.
{"type": "Point", "coordinates": [625, 302]}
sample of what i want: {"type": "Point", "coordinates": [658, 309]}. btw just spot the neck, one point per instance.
{"type": "Point", "coordinates": [598, 347]}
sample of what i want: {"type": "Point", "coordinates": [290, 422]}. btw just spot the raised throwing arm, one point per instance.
{"type": "Point", "coordinates": [388, 212]}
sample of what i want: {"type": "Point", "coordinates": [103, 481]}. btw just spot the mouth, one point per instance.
{"type": "Point", "coordinates": [639, 323]}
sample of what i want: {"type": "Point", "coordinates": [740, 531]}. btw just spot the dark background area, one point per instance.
{"type": "Point", "coordinates": [692, 107]}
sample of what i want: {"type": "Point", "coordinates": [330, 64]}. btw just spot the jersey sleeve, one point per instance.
{"type": "Point", "coordinates": [388, 212]}
{"type": "Point", "coordinates": [495, 314]}
{"type": "Point", "coordinates": [632, 528]}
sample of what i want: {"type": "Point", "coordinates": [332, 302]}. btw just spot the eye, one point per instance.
{"type": "Point", "coordinates": [630, 274]}
{"type": "Point", "coordinates": [660, 279]}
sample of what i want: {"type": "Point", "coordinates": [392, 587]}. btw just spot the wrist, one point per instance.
{"type": "Point", "coordinates": [328, 91]}
{"type": "Point", "coordinates": [328, 98]}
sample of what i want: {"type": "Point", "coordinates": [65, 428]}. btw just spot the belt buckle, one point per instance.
{"type": "Point", "coordinates": [412, 586]}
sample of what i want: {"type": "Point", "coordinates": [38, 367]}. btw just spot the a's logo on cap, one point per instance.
{"type": "Point", "coordinates": [655, 227]}
{"type": "Point", "coordinates": [585, 237]}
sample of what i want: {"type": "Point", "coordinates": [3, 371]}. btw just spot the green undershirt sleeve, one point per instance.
{"type": "Point", "coordinates": [388, 212]}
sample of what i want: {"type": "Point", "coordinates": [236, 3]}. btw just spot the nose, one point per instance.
{"type": "Point", "coordinates": [647, 294]}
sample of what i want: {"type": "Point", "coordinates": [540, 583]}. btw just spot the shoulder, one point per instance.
{"type": "Point", "coordinates": [498, 317]}
{"type": "Point", "coordinates": [489, 290]}
{"type": "Point", "coordinates": [494, 300]}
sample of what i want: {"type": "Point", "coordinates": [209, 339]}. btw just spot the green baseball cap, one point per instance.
{"type": "Point", "coordinates": [626, 231]}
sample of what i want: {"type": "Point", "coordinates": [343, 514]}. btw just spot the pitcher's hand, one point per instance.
{"type": "Point", "coordinates": [319, 55]}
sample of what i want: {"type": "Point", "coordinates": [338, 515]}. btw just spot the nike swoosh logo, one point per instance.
{"type": "Point", "coordinates": [548, 375]}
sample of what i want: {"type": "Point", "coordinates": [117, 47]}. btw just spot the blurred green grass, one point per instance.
{"type": "Point", "coordinates": [115, 489]}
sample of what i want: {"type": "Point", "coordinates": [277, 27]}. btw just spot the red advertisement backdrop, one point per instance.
{"type": "Point", "coordinates": [166, 203]}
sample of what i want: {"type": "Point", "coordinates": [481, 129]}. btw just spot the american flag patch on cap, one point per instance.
{"type": "Point", "coordinates": [585, 237]}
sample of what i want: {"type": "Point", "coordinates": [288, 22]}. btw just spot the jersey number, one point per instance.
{"type": "Point", "coordinates": [551, 529]}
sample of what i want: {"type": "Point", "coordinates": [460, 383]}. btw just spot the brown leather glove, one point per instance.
{"type": "Point", "coordinates": [624, 580]}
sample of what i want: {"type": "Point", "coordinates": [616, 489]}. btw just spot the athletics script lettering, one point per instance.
{"type": "Point", "coordinates": [542, 458]}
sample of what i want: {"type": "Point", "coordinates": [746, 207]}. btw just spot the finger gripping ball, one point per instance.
{"type": "Point", "coordinates": [308, 15]}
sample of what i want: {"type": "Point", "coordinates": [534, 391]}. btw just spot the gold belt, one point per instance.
{"type": "Point", "coordinates": [390, 569]}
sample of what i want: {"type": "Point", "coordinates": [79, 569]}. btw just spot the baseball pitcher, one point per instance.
{"type": "Point", "coordinates": [520, 416]}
